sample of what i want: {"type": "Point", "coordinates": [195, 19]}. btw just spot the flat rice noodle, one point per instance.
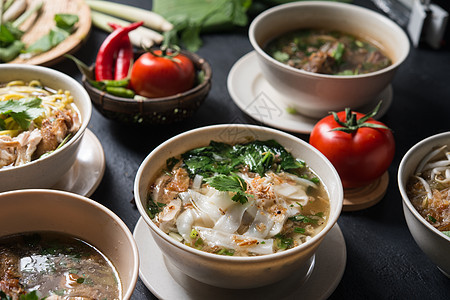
{"type": "Point", "coordinates": [261, 225]}
{"type": "Point", "coordinates": [211, 205]}
{"type": "Point", "coordinates": [188, 218]}
{"type": "Point", "coordinates": [232, 219]}
{"type": "Point", "coordinates": [234, 241]}
{"type": "Point", "coordinates": [302, 181]}
{"type": "Point", "coordinates": [292, 192]}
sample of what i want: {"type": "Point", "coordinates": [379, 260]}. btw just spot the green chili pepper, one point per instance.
{"type": "Point", "coordinates": [120, 91]}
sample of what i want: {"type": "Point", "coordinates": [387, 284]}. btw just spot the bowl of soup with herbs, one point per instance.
{"type": "Point", "coordinates": [424, 183]}
{"type": "Point", "coordinates": [325, 56]}
{"type": "Point", "coordinates": [226, 196]}
{"type": "Point", "coordinates": [49, 250]}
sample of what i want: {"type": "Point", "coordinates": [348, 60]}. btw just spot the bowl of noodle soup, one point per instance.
{"type": "Point", "coordinates": [231, 238]}
{"type": "Point", "coordinates": [424, 183]}
{"type": "Point", "coordinates": [43, 116]}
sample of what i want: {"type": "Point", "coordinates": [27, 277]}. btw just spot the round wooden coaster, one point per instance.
{"type": "Point", "coordinates": [366, 196]}
{"type": "Point", "coordinates": [40, 24]}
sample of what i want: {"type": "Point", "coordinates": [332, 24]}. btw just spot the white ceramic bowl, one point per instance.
{"type": "Point", "coordinates": [51, 210]}
{"type": "Point", "coordinates": [228, 271]}
{"type": "Point", "coordinates": [45, 172]}
{"type": "Point", "coordinates": [314, 94]}
{"type": "Point", "coordinates": [433, 243]}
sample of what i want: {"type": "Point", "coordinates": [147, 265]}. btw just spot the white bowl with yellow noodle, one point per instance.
{"type": "Point", "coordinates": [220, 268]}
{"type": "Point", "coordinates": [35, 151]}
{"type": "Point", "coordinates": [40, 211]}
{"type": "Point", "coordinates": [424, 183]}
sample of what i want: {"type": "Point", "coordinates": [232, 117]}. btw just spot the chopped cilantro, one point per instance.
{"type": "Point", "coordinates": [306, 219]}
{"type": "Point", "coordinates": [29, 296]}
{"type": "Point", "coordinates": [224, 251]}
{"type": "Point", "coordinates": [299, 230]}
{"type": "Point", "coordinates": [447, 233]}
{"type": "Point", "coordinates": [154, 208]}
{"type": "Point", "coordinates": [431, 218]}
{"type": "Point", "coordinates": [283, 242]}
{"type": "Point", "coordinates": [23, 111]}
{"type": "Point", "coordinates": [80, 280]}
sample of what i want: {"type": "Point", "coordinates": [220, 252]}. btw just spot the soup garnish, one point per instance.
{"type": "Point", "coordinates": [243, 199]}
{"type": "Point", "coordinates": [327, 52]}
{"type": "Point", "coordinates": [429, 189]}
{"type": "Point", "coordinates": [56, 266]}
{"type": "Point", "coordinates": [34, 121]}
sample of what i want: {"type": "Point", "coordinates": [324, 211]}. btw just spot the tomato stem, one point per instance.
{"type": "Point", "coordinates": [352, 124]}
{"type": "Point", "coordinates": [169, 52]}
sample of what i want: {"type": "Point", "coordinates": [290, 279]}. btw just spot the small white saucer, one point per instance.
{"type": "Point", "coordinates": [87, 172]}
{"type": "Point", "coordinates": [258, 99]}
{"type": "Point", "coordinates": [327, 269]}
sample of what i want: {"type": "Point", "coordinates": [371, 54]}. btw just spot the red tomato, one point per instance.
{"type": "Point", "coordinates": [161, 75]}
{"type": "Point", "coordinates": [360, 156]}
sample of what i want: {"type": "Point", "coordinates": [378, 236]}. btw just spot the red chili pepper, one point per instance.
{"type": "Point", "coordinates": [105, 55]}
{"type": "Point", "coordinates": [124, 56]}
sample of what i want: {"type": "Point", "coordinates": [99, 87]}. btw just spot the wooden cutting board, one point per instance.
{"type": "Point", "coordinates": [40, 24]}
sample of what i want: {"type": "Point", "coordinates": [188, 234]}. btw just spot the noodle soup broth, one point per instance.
{"type": "Point", "coordinates": [239, 200]}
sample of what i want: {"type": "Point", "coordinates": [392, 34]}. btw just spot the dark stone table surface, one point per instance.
{"type": "Point", "coordinates": [383, 260]}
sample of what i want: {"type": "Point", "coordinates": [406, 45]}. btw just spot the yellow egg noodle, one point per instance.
{"type": "Point", "coordinates": [57, 119]}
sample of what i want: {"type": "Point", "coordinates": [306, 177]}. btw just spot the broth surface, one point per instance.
{"type": "Point", "coordinates": [327, 52]}
{"type": "Point", "coordinates": [57, 266]}
{"type": "Point", "coordinates": [242, 200]}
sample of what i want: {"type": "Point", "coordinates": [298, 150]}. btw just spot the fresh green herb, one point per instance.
{"type": "Point", "coordinates": [193, 234]}
{"type": "Point", "coordinates": [171, 162]}
{"type": "Point", "coordinates": [258, 156]}
{"type": "Point", "coordinates": [80, 280]}
{"type": "Point", "coordinates": [23, 111]}
{"type": "Point", "coordinates": [283, 242]}
{"type": "Point", "coordinates": [223, 251]}
{"type": "Point", "coordinates": [154, 208]}
{"type": "Point", "coordinates": [305, 219]}
{"type": "Point", "coordinates": [3, 296]}
{"type": "Point", "coordinates": [338, 53]}
{"type": "Point", "coordinates": [64, 27]}
{"type": "Point", "coordinates": [299, 230]}
{"type": "Point", "coordinates": [447, 233]}
{"type": "Point", "coordinates": [431, 218]}
{"type": "Point", "coordinates": [230, 183]}
{"type": "Point", "coordinates": [198, 242]}
{"type": "Point", "coordinates": [29, 296]}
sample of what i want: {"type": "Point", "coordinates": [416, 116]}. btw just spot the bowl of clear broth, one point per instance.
{"type": "Point", "coordinates": [60, 245]}
{"type": "Point", "coordinates": [326, 56]}
{"type": "Point", "coordinates": [226, 198]}
{"type": "Point", "coordinates": [44, 114]}
{"type": "Point", "coordinates": [424, 183]}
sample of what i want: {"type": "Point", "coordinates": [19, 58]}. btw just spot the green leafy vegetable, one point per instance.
{"type": "Point", "coordinates": [447, 233]}
{"type": "Point", "coordinates": [230, 183]}
{"type": "Point", "coordinates": [431, 218]}
{"type": "Point", "coordinates": [64, 26]}
{"type": "Point", "coordinates": [23, 111]}
{"type": "Point", "coordinates": [29, 296]}
{"type": "Point", "coordinates": [193, 17]}
{"type": "Point", "coordinates": [3, 296]}
{"type": "Point", "coordinates": [258, 156]}
{"type": "Point", "coordinates": [154, 207]}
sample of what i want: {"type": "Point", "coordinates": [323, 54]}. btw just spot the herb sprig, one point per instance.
{"type": "Point", "coordinates": [218, 163]}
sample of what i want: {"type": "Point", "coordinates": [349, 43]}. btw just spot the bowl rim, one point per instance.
{"type": "Point", "coordinates": [234, 259]}
{"type": "Point", "coordinates": [206, 67]}
{"type": "Point", "coordinates": [429, 141]}
{"type": "Point", "coordinates": [318, 4]}
{"type": "Point", "coordinates": [85, 118]}
{"type": "Point", "coordinates": [123, 227]}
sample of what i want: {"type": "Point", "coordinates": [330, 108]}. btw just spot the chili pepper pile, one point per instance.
{"type": "Point", "coordinates": [114, 60]}
{"type": "Point", "coordinates": [159, 73]}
